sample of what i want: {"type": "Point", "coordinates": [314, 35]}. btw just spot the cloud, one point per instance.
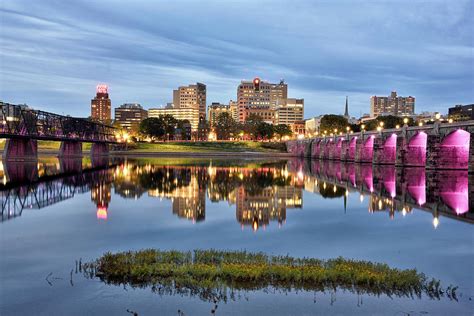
{"type": "Point", "coordinates": [55, 52]}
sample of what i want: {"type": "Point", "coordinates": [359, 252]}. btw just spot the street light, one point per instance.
{"type": "Point", "coordinates": [420, 124]}
{"type": "Point", "coordinates": [405, 120]}
{"type": "Point", "coordinates": [381, 124]}
{"type": "Point", "coordinates": [362, 126]}
{"type": "Point", "coordinates": [397, 126]}
{"type": "Point", "coordinates": [438, 116]}
{"type": "Point", "coordinates": [450, 120]}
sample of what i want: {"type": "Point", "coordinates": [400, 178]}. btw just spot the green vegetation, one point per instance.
{"type": "Point", "coordinates": [211, 274]}
{"type": "Point", "coordinates": [210, 147]}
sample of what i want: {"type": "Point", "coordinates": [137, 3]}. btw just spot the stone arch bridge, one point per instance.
{"type": "Point", "coordinates": [436, 146]}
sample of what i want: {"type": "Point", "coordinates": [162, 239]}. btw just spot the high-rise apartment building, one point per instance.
{"type": "Point", "coordinates": [392, 105]}
{"type": "Point", "coordinates": [260, 98]}
{"type": "Point", "coordinates": [129, 115]}
{"type": "Point", "coordinates": [291, 112]}
{"type": "Point", "coordinates": [191, 97]}
{"type": "Point", "coordinates": [101, 106]}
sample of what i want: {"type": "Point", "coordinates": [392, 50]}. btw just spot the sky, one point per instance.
{"type": "Point", "coordinates": [54, 53]}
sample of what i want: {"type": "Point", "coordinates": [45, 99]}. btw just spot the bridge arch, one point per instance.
{"type": "Point", "coordinates": [453, 150]}
{"type": "Point", "coordinates": [337, 148]}
{"type": "Point", "coordinates": [416, 150]}
{"type": "Point", "coordinates": [352, 148]}
{"type": "Point", "coordinates": [367, 149]}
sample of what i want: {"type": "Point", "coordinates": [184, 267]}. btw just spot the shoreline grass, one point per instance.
{"type": "Point", "coordinates": [211, 274]}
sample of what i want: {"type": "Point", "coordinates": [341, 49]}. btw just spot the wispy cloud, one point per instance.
{"type": "Point", "coordinates": [55, 52]}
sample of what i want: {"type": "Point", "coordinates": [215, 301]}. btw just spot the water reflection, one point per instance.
{"type": "Point", "coordinates": [260, 192]}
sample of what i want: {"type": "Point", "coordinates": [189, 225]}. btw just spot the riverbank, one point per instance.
{"type": "Point", "coordinates": [187, 149]}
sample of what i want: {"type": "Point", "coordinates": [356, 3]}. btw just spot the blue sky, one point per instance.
{"type": "Point", "coordinates": [53, 53]}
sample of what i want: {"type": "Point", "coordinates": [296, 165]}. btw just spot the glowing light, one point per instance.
{"type": "Point", "coordinates": [405, 120]}
{"type": "Point", "coordinates": [300, 136]}
{"type": "Point", "coordinates": [404, 212]}
{"type": "Point", "coordinates": [450, 120]}
{"type": "Point", "coordinates": [420, 124]}
{"type": "Point", "coordinates": [397, 126]}
{"type": "Point", "coordinates": [101, 212]}
{"type": "Point", "coordinates": [361, 198]}
{"type": "Point", "coordinates": [437, 116]}
{"type": "Point", "coordinates": [435, 222]}
{"type": "Point", "coordinates": [102, 88]}
{"type": "Point", "coordinates": [362, 126]}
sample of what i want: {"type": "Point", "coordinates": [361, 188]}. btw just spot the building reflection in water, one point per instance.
{"type": "Point", "coordinates": [261, 193]}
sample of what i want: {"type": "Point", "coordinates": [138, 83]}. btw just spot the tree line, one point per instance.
{"type": "Point", "coordinates": [166, 127]}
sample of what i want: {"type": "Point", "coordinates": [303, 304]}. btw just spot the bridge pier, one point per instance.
{"type": "Point", "coordinates": [70, 165]}
{"type": "Point", "coordinates": [20, 149]}
{"type": "Point", "coordinates": [70, 149]}
{"type": "Point", "coordinates": [384, 150]}
{"type": "Point", "coordinates": [99, 149]}
{"type": "Point", "coordinates": [18, 172]}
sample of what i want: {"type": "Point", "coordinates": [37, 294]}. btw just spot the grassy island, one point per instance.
{"type": "Point", "coordinates": [210, 274]}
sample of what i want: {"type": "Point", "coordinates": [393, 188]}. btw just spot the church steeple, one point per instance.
{"type": "Point", "coordinates": [346, 112]}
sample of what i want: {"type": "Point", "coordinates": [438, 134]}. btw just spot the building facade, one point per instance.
{"type": "Point", "coordinates": [291, 112]}
{"type": "Point", "coordinates": [129, 115]}
{"type": "Point", "coordinates": [191, 97]}
{"type": "Point", "coordinates": [101, 106]}
{"type": "Point", "coordinates": [214, 110]}
{"type": "Point", "coordinates": [190, 114]}
{"type": "Point", "coordinates": [461, 112]}
{"type": "Point", "coordinates": [312, 125]}
{"type": "Point", "coordinates": [392, 105]}
{"type": "Point", "coordinates": [260, 98]}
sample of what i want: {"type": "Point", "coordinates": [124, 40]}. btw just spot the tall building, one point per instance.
{"type": "Point", "coordinates": [191, 97]}
{"type": "Point", "coordinates": [129, 115]}
{"type": "Point", "coordinates": [291, 112]}
{"type": "Point", "coordinates": [101, 106]}
{"type": "Point", "coordinates": [461, 112]}
{"type": "Point", "coordinates": [260, 98]}
{"type": "Point", "coordinates": [214, 110]}
{"type": "Point", "coordinates": [392, 105]}
{"type": "Point", "coordinates": [234, 110]}
{"type": "Point", "coordinates": [190, 114]}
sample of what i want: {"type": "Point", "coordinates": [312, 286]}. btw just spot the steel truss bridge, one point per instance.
{"type": "Point", "coordinates": [18, 121]}
{"type": "Point", "coordinates": [46, 192]}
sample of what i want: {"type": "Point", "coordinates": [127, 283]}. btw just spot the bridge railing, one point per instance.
{"type": "Point", "coordinates": [20, 121]}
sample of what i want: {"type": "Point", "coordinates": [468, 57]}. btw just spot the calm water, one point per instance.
{"type": "Point", "coordinates": [56, 212]}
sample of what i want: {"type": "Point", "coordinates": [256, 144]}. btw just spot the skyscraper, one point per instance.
{"type": "Point", "coordinates": [392, 105]}
{"type": "Point", "coordinates": [260, 98]}
{"type": "Point", "coordinates": [101, 106]}
{"type": "Point", "coordinates": [192, 96]}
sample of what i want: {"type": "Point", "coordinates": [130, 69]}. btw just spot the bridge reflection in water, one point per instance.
{"type": "Point", "coordinates": [260, 192]}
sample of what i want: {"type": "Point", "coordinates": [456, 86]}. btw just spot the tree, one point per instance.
{"type": "Point", "coordinates": [184, 126]}
{"type": "Point", "coordinates": [225, 126]}
{"type": "Point", "coordinates": [282, 130]}
{"type": "Point", "coordinates": [153, 127]}
{"type": "Point", "coordinates": [389, 121]}
{"type": "Point", "coordinates": [264, 130]}
{"type": "Point", "coordinates": [251, 125]}
{"type": "Point", "coordinates": [169, 125]}
{"type": "Point", "coordinates": [332, 122]}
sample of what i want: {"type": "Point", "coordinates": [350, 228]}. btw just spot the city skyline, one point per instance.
{"type": "Point", "coordinates": [331, 51]}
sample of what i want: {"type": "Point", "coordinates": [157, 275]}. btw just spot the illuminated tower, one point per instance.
{"type": "Point", "coordinates": [101, 106]}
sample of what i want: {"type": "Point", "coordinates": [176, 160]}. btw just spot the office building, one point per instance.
{"type": "Point", "coordinates": [392, 105]}
{"type": "Point", "coordinates": [260, 98]}
{"type": "Point", "coordinates": [101, 106]}
{"type": "Point", "coordinates": [290, 112]}
{"type": "Point", "coordinates": [191, 97]}
{"type": "Point", "coordinates": [129, 115]}
{"type": "Point", "coordinates": [461, 112]}
{"type": "Point", "coordinates": [190, 114]}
